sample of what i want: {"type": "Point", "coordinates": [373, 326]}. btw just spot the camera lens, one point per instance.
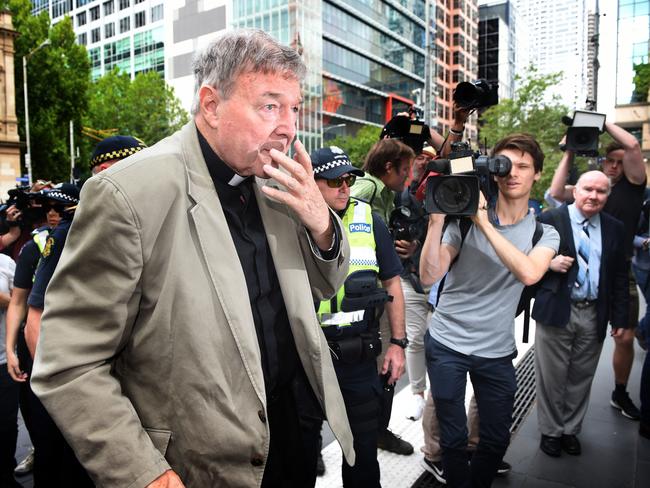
{"type": "Point", "coordinates": [453, 195]}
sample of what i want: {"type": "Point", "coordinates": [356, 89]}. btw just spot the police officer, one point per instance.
{"type": "Point", "coordinates": [350, 320]}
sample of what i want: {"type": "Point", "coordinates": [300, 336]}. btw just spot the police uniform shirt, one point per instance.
{"type": "Point", "coordinates": [26, 265]}
{"type": "Point", "coordinates": [387, 258]}
{"type": "Point", "coordinates": [47, 265]}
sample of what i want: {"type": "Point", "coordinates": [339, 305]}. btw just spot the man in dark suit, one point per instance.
{"type": "Point", "coordinates": [583, 291]}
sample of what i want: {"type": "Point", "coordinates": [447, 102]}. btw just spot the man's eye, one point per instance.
{"type": "Point", "coordinates": [269, 106]}
{"type": "Point", "coordinates": [295, 109]}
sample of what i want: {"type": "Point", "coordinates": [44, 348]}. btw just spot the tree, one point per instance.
{"type": "Point", "coordinates": [144, 107]}
{"type": "Point", "coordinates": [358, 146]}
{"type": "Point", "coordinates": [641, 82]}
{"type": "Point", "coordinates": [58, 76]}
{"type": "Point", "coordinates": [534, 112]}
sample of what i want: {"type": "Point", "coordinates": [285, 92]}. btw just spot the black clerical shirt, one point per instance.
{"type": "Point", "coordinates": [279, 356]}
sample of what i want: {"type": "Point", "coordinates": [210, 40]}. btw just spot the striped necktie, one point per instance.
{"type": "Point", "coordinates": [583, 257]}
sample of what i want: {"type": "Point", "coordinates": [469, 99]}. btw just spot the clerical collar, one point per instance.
{"type": "Point", "coordinates": [218, 169]}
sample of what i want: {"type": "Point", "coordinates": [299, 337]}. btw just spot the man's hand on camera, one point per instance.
{"type": "Point", "coordinates": [394, 362]}
{"type": "Point", "coordinates": [302, 195]}
{"type": "Point", "coordinates": [405, 249]}
{"type": "Point", "coordinates": [481, 216]}
{"type": "Point", "coordinates": [460, 115]}
{"type": "Point", "coordinates": [561, 263]}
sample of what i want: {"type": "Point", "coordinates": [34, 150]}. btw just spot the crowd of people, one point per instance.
{"type": "Point", "coordinates": [211, 301]}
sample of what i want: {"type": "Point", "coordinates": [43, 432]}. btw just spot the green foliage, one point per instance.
{"type": "Point", "coordinates": [58, 78]}
{"type": "Point", "coordinates": [358, 146]}
{"type": "Point", "coordinates": [144, 107]}
{"type": "Point", "coordinates": [641, 82]}
{"type": "Point", "coordinates": [531, 111]}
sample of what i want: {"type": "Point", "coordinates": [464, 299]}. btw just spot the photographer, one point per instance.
{"type": "Point", "coordinates": [624, 166]}
{"type": "Point", "coordinates": [472, 329]}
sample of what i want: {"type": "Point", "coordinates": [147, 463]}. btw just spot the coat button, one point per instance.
{"type": "Point", "coordinates": [257, 461]}
{"type": "Point", "coordinates": [262, 416]}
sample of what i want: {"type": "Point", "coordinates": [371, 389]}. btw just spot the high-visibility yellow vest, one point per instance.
{"type": "Point", "coordinates": [357, 224]}
{"type": "Point", "coordinates": [40, 238]}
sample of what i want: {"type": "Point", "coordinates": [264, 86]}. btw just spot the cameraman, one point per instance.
{"type": "Point", "coordinates": [472, 329]}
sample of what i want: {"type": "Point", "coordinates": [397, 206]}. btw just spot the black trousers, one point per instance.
{"type": "Point", "coordinates": [362, 394]}
{"type": "Point", "coordinates": [55, 464]}
{"type": "Point", "coordinates": [295, 418]}
{"type": "Point", "coordinates": [8, 428]}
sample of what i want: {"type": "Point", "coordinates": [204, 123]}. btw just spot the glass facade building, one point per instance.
{"type": "Point", "coordinates": [365, 57]}
{"type": "Point", "coordinates": [127, 34]}
{"type": "Point", "coordinates": [633, 46]}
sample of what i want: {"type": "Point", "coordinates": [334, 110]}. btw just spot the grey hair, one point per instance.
{"type": "Point", "coordinates": [242, 51]}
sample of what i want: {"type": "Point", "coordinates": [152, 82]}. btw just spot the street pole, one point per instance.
{"type": "Point", "coordinates": [28, 154]}
{"type": "Point", "coordinates": [426, 99]}
{"type": "Point", "coordinates": [71, 151]}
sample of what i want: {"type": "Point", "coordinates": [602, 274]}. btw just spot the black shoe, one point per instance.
{"type": "Point", "coordinates": [320, 465]}
{"type": "Point", "coordinates": [394, 443]}
{"type": "Point", "coordinates": [551, 445]}
{"type": "Point", "coordinates": [435, 468]}
{"type": "Point", "coordinates": [503, 469]}
{"type": "Point", "coordinates": [622, 402]}
{"type": "Point", "coordinates": [570, 444]}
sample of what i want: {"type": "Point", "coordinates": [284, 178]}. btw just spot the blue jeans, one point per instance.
{"type": "Point", "coordinates": [494, 387]}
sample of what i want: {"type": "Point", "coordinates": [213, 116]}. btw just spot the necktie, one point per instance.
{"type": "Point", "coordinates": [583, 257]}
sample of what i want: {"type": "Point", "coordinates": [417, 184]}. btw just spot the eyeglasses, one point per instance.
{"type": "Point", "coordinates": [338, 182]}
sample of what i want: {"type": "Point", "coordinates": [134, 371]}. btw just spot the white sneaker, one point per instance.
{"type": "Point", "coordinates": [416, 408]}
{"type": "Point", "coordinates": [26, 465]}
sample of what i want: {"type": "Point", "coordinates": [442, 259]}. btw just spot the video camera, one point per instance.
{"type": "Point", "coordinates": [412, 132]}
{"type": "Point", "coordinates": [21, 198]}
{"type": "Point", "coordinates": [583, 132]}
{"type": "Point", "coordinates": [455, 187]}
{"type": "Point", "coordinates": [476, 94]}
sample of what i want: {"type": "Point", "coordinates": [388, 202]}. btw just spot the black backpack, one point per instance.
{"type": "Point", "coordinates": [528, 292]}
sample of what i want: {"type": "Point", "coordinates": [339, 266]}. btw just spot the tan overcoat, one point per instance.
{"type": "Point", "coordinates": [148, 357]}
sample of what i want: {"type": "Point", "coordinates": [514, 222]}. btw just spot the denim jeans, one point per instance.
{"type": "Point", "coordinates": [494, 385]}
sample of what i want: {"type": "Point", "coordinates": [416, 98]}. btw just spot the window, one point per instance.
{"type": "Point", "coordinates": [82, 39]}
{"type": "Point", "coordinates": [94, 13]}
{"type": "Point", "coordinates": [157, 13]}
{"type": "Point", "coordinates": [138, 1]}
{"type": "Point", "coordinates": [109, 7]}
{"type": "Point", "coordinates": [139, 19]}
{"type": "Point", "coordinates": [125, 24]}
{"type": "Point", "coordinates": [81, 19]}
{"type": "Point", "coordinates": [94, 35]}
{"type": "Point", "coordinates": [124, 4]}
{"type": "Point", "coordinates": [81, 3]}
{"type": "Point", "coordinates": [109, 30]}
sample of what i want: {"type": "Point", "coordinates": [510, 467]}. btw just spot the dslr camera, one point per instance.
{"type": "Point", "coordinates": [455, 190]}
{"type": "Point", "coordinates": [476, 94]}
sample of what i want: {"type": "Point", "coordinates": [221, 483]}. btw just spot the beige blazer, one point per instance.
{"type": "Point", "coordinates": [148, 357]}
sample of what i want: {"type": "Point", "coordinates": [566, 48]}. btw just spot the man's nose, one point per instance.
{"type": "Point", "coordinates": [287, 123]}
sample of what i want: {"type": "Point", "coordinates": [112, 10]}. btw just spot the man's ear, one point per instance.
{"type": "Point", "coordinates": [538, 175]}
{"type": "Point", "coordinates": [209, 101]}
{"type": "Point", "coordinates": [389, 166]}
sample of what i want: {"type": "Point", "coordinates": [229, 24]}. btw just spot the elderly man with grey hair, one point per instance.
{"type": "Point", "coordinates": [179, 346]}
{"type": "Point", "coordinates": [584, 290]}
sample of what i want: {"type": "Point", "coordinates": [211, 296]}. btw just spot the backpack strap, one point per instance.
{"type": "Point", "coordinates": [537, 235]}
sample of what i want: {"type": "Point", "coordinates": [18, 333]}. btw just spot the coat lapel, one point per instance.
{"type": "Point", "coordinates": [221, 259]}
